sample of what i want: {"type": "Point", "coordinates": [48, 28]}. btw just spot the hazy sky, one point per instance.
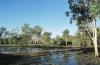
{"type": "Point", "coordinates": [49, 14]}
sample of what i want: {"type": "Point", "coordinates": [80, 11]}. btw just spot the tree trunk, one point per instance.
{"type": "Point", "coordinates": [66, 42]}
{"type": "Point", "coordinates": [95, 38]}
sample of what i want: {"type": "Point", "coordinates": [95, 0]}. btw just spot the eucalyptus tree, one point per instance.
{"type": "Point", "coordinates": [26, 33]}
{"type": "Point", "coordinates": [57, 39]}
{"type": "Point", "coordinates": [46, 37]}
{"type": "Point", "coordinates": [7, 33]}
{"type": "Point", "coordinates": [26, 28]}
{"type": "Point", "coordinates": [94, 8]}
{"type": "Point", "coordinates": [66, 35]}
{"type": "Point", "coordinates": [37, 30]}
{"type": "Point", "coordinates": [2, 31]}
{"type": "Point", "coordinates": [82, 39]}
{"type": "Point", "coordinates": [36, 34]}
{"type": "Point", "coordinates": [76, 40]}
{"type": "Point", "coordinates": [86, 13]}
{"type": "Point", "coordinates": [13, 36]}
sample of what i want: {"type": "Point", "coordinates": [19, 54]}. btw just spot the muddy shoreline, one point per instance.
{"type": "Point", "coordinates": [10, 58]}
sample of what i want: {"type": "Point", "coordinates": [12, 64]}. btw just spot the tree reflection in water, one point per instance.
{"type": "Point", "coordinates": [57, 58]}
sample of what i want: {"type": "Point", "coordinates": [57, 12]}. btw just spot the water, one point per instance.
{"type": "Point", "coordinates": [52, 58]}
{"type": "Point", "coordinates": [62, 57]}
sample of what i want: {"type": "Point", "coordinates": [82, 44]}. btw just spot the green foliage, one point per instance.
{"type": "Point", "coordinates": [14, 38]}
{"type": "Point", "coordinates": [59, 40]}
{"type": "Point", "coordinates": [36, 30]}
{"type": "Point", "coordinates": [66, 33]}
{"type": "Point", "coordinates": [82, 41]}
{"type": "Point", "coordinates": [94, 7]}
{"type": "Point", "coordinates": [2, 31]}
{"type": "Point", "coordinates": [46, 37]}
{"type": "Point", "coordinates": [98, 30]}
{"type": "Point", "coordinates": [26, 28]}
{"type": "Point", "coordinates": [84, 12]}
{"type": "Point", "coordinates": [98, 33]}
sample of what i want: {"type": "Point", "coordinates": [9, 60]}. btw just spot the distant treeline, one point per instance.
{"type": "Point", "coordinates": [35, 35]}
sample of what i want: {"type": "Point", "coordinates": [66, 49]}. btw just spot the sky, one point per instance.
{"type": "Point", "coordinates": [49, 14]}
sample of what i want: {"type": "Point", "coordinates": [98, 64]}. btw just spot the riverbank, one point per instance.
{"type": "Point", "coordinates": [6, 59]}
{"type": "Point", "coordinates": [87, 53]}
{"type": "Point", "coordinates": [44, 51]}
{"type": "Point", "coordinates": [38, 52]}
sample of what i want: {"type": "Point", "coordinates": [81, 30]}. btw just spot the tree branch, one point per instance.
{"type": "Point", "coordinates": [89, 33]}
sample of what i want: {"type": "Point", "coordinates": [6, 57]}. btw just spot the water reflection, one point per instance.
{"type": "Point", "coordinates": [56, 58]}
{"type": "Point", "coordinates": [52, 58]}
{"type": "Point", "coordinates": [18, 49]}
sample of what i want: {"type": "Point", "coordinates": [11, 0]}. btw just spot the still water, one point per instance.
{"type": "Point", "coordinates": [63, 57]}
{"type": "Point", "coordinates": [52, 58]}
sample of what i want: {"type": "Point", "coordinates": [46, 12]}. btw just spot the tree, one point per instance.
{"type": "Point", "coordinates": [13, 36]}
{"type": "Point", "coordinates": [86, 12]}
{"type": "Point", "coordinates": [26, 28]}
{"type": "Point", "coordinates": [36, 30]}
{"type": "Point", "coordinates": [81, 40]}
{"type": "Point", "coordinates": [36, 34]}
{"type": "Point", "coordinates": [98, 33]}
{"type": "Point", "coordinates": [57, 39]}
{"type": "Point", "coordinates": [46, 37]}
{"type": "Point", "coordinates": [2, 31]}
{"type": "Point", "coordinates": [66, 35]}
{"type": "Point", "coordinates": [26, 36]}
{"type": "Point", "coordinates": [94, 9]}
